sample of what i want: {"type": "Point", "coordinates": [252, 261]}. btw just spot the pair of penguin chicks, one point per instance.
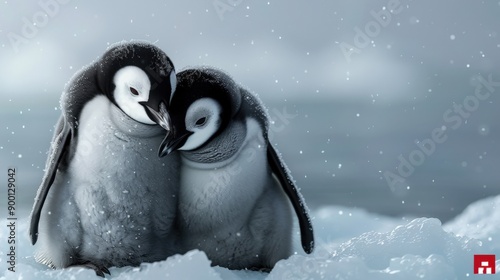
{"type": "Point", "coordinates": [109, 198]}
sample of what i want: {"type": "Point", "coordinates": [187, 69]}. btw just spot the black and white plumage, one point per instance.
{"type": "Point", "coordinates": [235, 191]}
{"type": "Point", "coordinates": [106, 198]}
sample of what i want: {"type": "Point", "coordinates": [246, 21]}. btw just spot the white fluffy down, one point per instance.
{"type": "Point", "coordinates": [351, 244]}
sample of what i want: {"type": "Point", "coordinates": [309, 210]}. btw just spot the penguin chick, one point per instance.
{"type": "Point", "coordinates": [235, 191]}
{"type": "Point", "coordinates": [106, 198]}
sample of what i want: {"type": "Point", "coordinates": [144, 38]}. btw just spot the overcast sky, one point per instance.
{"type": "Point", "coordinates": [281, 49]}
{"type": "Point", "coordinates": [362, 79]}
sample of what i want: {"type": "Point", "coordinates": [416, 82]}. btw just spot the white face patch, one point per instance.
{"type": "Point", "coordinates": [203, 119]}
{"type": "Point", "coordinates": [132, 86]}
{"type": "Point", "coordinates": [173, 84]}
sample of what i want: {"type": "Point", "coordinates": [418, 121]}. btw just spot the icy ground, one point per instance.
{"type": "Point", "coordinates": [351, 244]}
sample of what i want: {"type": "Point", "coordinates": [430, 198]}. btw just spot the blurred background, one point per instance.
{"type": "Point", "coordinates": [352, 87]}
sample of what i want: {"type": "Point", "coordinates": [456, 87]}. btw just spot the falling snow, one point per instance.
{"type": "Point", "coordinates": [402, 98]}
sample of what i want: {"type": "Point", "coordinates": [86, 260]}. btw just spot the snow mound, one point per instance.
{"type": "Point", "coordinates": [480, 220]}
{"type": "Point", "coordinates": [420, 249]}
{"type": "Point", "coordinates": [351, 244]}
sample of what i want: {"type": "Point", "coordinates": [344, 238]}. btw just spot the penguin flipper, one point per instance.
{"type": "Point", "coordinates": [282, 174]}
{"type": "Point", "coordinates": [58, 148]}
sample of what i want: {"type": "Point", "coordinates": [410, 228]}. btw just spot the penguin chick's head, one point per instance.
{"type": "Point", "coordinates": [139, 78]}
{"type": "Point", "coordinates": [204, 103]}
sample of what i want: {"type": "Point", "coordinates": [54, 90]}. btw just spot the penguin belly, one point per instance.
{"type": "Point", "coordinates": [118, 189]}
{"type": "Point", "coordinates": [227, 209]}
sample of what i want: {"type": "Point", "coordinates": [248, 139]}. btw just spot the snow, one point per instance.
{"type": "Point", "coordinates": [480, 221]}
{"type": "Point", "coordinates": [414, 66]}
{"type": "Point", "coordinates": [351, 244]}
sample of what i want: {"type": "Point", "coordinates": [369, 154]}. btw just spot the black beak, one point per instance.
{"type": "Point", "coordinates": [160, 117]}
{"type": "Point", "coordinates": [172, 143]}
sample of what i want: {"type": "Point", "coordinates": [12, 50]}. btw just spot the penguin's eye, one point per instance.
{"type": "Point", "coordinates": [201, 121]}
{"type": "Point", "coordinates": [134, 91]}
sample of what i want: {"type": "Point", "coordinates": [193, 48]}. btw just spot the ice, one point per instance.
{"type": "Point", "coordinates": [351, 244]}
{"type": "Point", "coordinates": [480, 220]}
{"type": "Point", "coordinates": [420, 249]}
